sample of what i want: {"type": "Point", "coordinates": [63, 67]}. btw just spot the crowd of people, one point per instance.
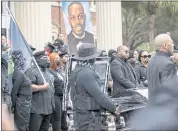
{"type": "Point", "coordinates": [36, 102]}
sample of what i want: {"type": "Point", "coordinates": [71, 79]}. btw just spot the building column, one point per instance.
{"type": "Point", "coordinates": [109, 25]}
{"type": "Point", "coordinates": [34, 21]}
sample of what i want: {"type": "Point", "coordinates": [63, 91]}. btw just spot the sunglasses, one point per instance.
{"type": "Point", "coordinates": [146, 56]}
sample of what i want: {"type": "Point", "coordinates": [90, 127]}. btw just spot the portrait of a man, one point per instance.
{"type": "Point", "coordinates": [77, 21]}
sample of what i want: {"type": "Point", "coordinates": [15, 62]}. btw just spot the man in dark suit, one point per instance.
{"type": "Point", "coordinates": [123, 74]}
{"type": "Point", "coordinates": [77, 18]}
{"type": "Point", "coordinates": [161, 68]}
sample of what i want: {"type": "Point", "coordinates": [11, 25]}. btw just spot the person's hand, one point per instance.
{"type": "Point", "coordinates": [45, 85]}
{"type": "Point", "coordinates": [7, 120]}
{"type": "Point", "coordinates": [4, 106]}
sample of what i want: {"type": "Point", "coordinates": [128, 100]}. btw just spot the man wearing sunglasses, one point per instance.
{"type": "Point", "coordinates": [161, 68]}
{"type": "Point", "coordinates": [141, 67]}
{"type": "Point", "coordinates": [77, 19]}
{"type": "Point", "coordinates": [123, 74]}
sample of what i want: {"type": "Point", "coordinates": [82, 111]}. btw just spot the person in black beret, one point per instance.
{"type": "Point", "coordinates": [43, 93]}
{"type": "Point", "coordinates": [58, 43]}
{"type": "Point", "coordinates": [64, 56]}
{"type": "Point", "coordinates": [49, 48]}
{"type": "Point", "coordinates": [112, 54]}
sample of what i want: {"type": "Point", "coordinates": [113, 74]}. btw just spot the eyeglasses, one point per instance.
{"type": "Point", "coordinates": [146, 56]}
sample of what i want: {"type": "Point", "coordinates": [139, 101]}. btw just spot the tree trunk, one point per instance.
{"type": "Point", "coordinates": [153, 5]}
{"type": "Point", "coordinates": [151, 29]}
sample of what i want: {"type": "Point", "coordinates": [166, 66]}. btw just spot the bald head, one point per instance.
{"type": "Point", "coordinates": [164, 43]}
{"type": "Point", "coordinates": [123, 52]}
{"type": "Point", "coordinates": [122, 47]}
{"type": "Point", "coordinates": [162, 39]}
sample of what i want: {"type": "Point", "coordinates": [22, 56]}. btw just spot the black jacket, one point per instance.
{"type": "Point", "coordinates": [141, 72]}
{"type": "Point", "coordinates": [88, 86]}
{"type": "Point", "coordinates": [4, 86]}
{"type": "Point", "coordinates": [160, 68]}
{"type": "Point", "coordinates": [21, 99]}
{"type": "Point", "coordinates": [58, 82]}
{"type": "Point", "coordinates": [21, 87]}
{"type": "Point", "coordinates": [123, 75]}
{"type": "Point", "coordinates": [42, 101]}
{"type": "Point", "coordinates": [72, 41]}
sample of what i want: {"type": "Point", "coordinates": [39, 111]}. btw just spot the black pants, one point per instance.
{"type": "Point", "coordinates": [56, 116]}
{"type": "Point", "coordinates": [39, 122]}
{"type": "Point", "coordinates": [22, 115]}
{"type": "Point", "coordinates": [64, 121]}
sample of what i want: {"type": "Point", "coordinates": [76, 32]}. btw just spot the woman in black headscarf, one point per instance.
{"type": "Point", "coordinates": [21, 92]}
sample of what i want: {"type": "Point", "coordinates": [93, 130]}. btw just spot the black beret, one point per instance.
{"type": "Point", "coordinates": [39, 54]}
{"type": "Point", "coordinates": [59, 41]}
{"type": "Point", "coordinates": [111, 52]}
{"type": "Point", "coordinates": [50, 46]}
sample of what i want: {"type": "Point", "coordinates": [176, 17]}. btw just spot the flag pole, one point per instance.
{"type": "Point", "coordinates": [11, 15]}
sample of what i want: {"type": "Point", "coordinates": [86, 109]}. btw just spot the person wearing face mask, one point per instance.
{"type": "Point", "coordinates": [141, 67]}
{"type": "Point", "coordinates": [160, 67]}
{"type": "Point", "coordinates": [49, 48]}
{"type": "Point", "coordinates": [21, 93]}
{"type": "Point", "coordinates": [87, 97]}
{"type": "Point", "coordinates": [64, 56]}
{"type": "Point", "coordinates": [43, 94]}
{"type": "Point", "coordinates": [58, 85]}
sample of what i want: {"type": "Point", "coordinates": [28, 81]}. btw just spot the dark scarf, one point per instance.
{"type": "Point", "coordinates": [19, 61]}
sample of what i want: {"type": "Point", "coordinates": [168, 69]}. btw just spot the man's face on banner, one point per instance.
{"type": "Point", "coordinates": [77, 19]}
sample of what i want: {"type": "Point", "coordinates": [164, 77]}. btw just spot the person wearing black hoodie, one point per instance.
{"type": "Point", "coordinates": [21, 92]}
